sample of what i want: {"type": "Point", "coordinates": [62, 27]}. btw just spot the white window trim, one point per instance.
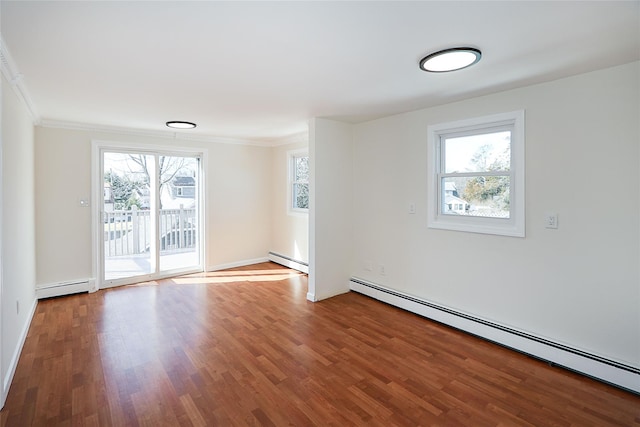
{"type": "Point", "coordinates": [515, 224]}
{"type": "Point", "coordinates": [290, 156]}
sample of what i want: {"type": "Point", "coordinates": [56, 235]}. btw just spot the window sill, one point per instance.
{"type": "Point", "coordinates": [498, 227]}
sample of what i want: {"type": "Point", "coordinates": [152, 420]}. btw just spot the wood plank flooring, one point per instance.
{"type": "Point", "coordinates": [244, 348]}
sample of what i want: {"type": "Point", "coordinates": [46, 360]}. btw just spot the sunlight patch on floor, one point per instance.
{"type": "Point", "coordinates": [239, 276]}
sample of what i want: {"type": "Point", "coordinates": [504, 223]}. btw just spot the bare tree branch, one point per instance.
{"type": "Point", "coordinates": [168, 169]}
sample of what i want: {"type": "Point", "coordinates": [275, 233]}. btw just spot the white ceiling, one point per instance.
{"type": "Point", "coordinates": [260, 70]}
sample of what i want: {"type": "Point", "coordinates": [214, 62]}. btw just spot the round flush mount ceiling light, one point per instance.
{"type": "Point", "coordinates": [177, 124]}
{"type": "Point", "coordinates": [452, 59]}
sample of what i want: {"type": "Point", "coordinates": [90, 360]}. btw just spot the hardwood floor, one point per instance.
{"type": "Point", "coordinates": [243, 347]}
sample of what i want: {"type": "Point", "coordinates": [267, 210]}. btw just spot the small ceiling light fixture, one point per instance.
{"type": "Point", "coordinates": [177, 124]}
{"type": "Point", "coordinates": [452, 59]}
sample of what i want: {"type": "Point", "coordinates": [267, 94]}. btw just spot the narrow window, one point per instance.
{"type": "Point", "coordinates": [298, 181]}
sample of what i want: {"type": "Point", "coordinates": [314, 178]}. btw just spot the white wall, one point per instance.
{"type": "Point", "coordinates": [331, 203]}
{"type": "Point", "coordinates": [289, 231]}
{"type": "Point", "coordinates": [578, 285]}
{"type": "Point", "coordinates": [18, 232]}
{"type": "Point", "coordinates": [238, 201]}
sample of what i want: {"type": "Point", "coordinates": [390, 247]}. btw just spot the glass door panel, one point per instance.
{"type": "Point", "coordinates": [128, 220]}
{"type": "Point", "coordinates": [178, 214]}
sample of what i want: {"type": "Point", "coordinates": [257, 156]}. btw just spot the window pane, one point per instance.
{"type": "Point", "coordinates": [484, 196]}
{"type": "Point", "coordinates": [301, 169]}
{"type": "Point", "coordinates": [127, 219]}
{"type": "Point", "coordinates": [178, 214]}
{"type": "Point", "coordinates": [478, 153]}
{"type": "Point", "coordinates": [301, 196]}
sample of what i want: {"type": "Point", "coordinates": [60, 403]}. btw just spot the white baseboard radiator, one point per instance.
{"type": "Point", "coordinates": [64, 288]}
{"type": "Point", "coordinates": [289, 262]}
{"type": "Point", "coordinates": [609, 371]}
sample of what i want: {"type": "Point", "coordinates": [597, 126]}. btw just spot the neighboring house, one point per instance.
{"type": "Point", "coordinates": [450, 189]}
{"type": "Point", "coordinates": [183, 187]}
{"type": "Point", "coordinates": [453, 203]}
{"type": "Point", "coordinates": [179, 193]}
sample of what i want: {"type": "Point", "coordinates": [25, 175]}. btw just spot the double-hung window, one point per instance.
{"type": "Point", "coordinates": [298, 181]}
{"type": "Point", "coordinates": [476, 175]}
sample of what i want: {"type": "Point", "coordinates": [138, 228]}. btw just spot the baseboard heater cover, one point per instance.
{"type": "Point", "coordinates": [600, 368]}
{"type": "Point", "coordinates": [63, 288]}
{"type": "Point", "coordinates": [289, 262]}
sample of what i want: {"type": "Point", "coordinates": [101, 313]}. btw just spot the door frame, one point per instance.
{"type": "Point", "coordinates": [97, 199]}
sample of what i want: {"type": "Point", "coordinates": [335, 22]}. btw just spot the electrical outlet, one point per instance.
{"type": "Point", "coordinates": [412, 208]}
{"type": "Point", "coordinates": [17, 307]}
{"type": "Point", "coordinates": [383, 272]}
{"type": "Point", "coordinates": [551, 220]}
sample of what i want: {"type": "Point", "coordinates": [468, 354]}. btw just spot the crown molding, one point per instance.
{"type": "Point", "coordinates": [16, 79]}
{"type": "Point", "coordinates": [89, 127]}
{"type": "Point", "coordinates": [296, 138]}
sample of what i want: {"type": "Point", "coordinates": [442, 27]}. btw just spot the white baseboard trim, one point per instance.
{"type": "Point", "coordinates": [6, 383]}
{"type": "Point", "coordinates": [237, 264]}
{"type": "Point", "coordinates": [311, 297]}
{"type": "Point", "coordinates": [289, 262]}
{"type": "Point", "coordinates": [64, 288]}
{"type": "Point", "coordinates": [598, 367]}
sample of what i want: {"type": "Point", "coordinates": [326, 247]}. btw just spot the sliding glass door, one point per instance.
{"type": "Point", "coordinates": [150, 215]}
